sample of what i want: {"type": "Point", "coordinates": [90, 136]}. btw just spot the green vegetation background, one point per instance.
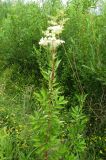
{"type": "Point", "coordinates": [82, 71]}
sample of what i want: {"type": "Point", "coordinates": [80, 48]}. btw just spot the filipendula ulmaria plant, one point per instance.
{"type": "Point", "coordinates": [46, 121]}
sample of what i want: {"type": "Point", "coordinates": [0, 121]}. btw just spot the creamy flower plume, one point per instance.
{"type": "Point", "coordinates": [55, 29]}
{"type": "Point", "coordinates": [52, 41]}
{"type": "Point", "coordinates": [51, 37]}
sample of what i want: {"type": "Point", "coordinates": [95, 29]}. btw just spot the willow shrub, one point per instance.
{"type": "Point", "coordinates": [85, 70]}
{"type": "Point", "coordinates": [21, 28]}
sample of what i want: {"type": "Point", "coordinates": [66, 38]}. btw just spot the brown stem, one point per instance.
{"type": "Point", "coordinates": [53, 65]}
{"type": "Point", "coordinates": [53, 51]}
{"type": "Point", "coordinates": [46, 155]}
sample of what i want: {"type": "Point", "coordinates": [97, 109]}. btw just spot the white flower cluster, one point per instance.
{"type": "Point", "coordinates": [55, 29]}
{"type": "Point", "coordinates": [51, 36]}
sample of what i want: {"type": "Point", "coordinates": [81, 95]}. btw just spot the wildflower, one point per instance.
{"type": "Point", "coordinates": [55, 29]}
{"type": "Point", "coordinates": [49, 34]}
{"type": "Point", "coordinates": [43, 42]}
{"type": "Point", "coordinates": [52, 41]}
{"type": "Point", "coordinates": [51, 37]}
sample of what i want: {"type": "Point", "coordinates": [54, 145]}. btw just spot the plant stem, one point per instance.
{"type": "Point", "coordinates": [46, 155]}
{"type": "Point", "coordinates": [51, 80]}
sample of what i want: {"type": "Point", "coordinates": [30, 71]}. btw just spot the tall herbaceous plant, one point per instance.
{"type": "Point", "coordinates": [47, 122]}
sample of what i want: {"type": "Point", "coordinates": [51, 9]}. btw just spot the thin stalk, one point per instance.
{"type": "Point", "coordinates": [51, 81]}
{"type": "Point", "coordinates": [46, 155]}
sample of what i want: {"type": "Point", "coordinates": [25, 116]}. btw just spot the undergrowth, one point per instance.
{"type": "Point", "coordinates": [52, 100]}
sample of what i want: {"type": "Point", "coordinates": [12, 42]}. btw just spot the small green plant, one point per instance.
{"type": "Point", "coordinates": [76, 127]}
{"type": "Point", "coordinates": [6, 149]}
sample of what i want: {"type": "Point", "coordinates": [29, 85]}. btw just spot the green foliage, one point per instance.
{"type": "Point", "coordinates": [46, 122]}
{"type": "Point", "coordinates": [25, 69]}
{"type": "Point", "coordinates": [76, 131]}
{"type": "Point", "coordinates": [6, 150]}
{"type": "Point", "coordinates": [20, 30]}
